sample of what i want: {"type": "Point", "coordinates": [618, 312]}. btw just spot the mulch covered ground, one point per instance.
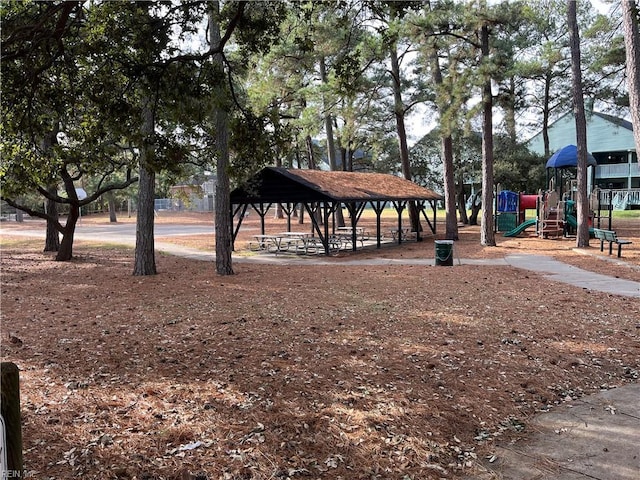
{"type": "Point", "coordinates": [301, 371]}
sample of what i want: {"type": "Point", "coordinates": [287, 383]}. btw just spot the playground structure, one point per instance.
{"type": "Point", "coordinates": [556, 207]}
{"type": "Point", "coordinates": [555, 216]}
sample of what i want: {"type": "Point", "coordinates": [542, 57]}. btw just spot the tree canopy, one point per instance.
{"type": "Point", "coordinates": [99, 94]}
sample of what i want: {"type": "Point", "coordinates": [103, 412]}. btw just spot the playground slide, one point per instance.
{"type": "Point", "coordinates": [571, 220]}
{"type": "Point", "coordinates": [521, 228]}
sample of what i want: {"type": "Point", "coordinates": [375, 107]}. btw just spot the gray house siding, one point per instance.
{"type": "Point", "coordinates": [609, 140]}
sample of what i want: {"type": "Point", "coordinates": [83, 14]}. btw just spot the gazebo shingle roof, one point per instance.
{"type": "Point", "coordinates": [273, 184]}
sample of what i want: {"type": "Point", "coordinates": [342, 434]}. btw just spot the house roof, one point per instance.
{"type": "Point", "coordinates": [605, 133]}
{"type": "Point", "coordinates": [621, 122]}
{"type": "Point", "coordinates": [278, 185]}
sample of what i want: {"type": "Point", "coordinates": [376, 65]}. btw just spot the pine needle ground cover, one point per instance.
{"type": "Point", "coordinates": [302, 371]}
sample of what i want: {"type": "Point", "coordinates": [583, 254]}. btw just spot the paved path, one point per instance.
{"type": "Point", "coordinates": [547, 266]}
{"type": "Point", "coordinates": [561, 272]}
{"type": "Point", "coordinates": [595, 437]}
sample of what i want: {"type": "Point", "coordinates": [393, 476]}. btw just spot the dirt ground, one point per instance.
{"type": "Point", "coordinates": [306, 371]}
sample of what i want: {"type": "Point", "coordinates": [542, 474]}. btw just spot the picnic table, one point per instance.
{"type": "Point", "coordinates": [402, 234]}
{"type": "Point", "coordinates": [302, 241]}
{"type": "Point", "coordinates": [283, 242]}
{"type": "Point", "coordinates": [345, 235]}
{"type": "Point", "coordinates": [270, 243]}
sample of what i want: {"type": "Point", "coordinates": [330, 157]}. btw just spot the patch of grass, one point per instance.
{"type": "Point", "coordinates": [20, 242]}
{"type": "Point", "coordinates": [626, 214]}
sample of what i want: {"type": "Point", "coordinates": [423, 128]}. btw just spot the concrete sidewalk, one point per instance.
{"type": "Point", "coordinates": [595, 437]}
{"type": "Point", "coordinates": [561, 272]}
{"type": "Point", "coordinates": [547, 266]}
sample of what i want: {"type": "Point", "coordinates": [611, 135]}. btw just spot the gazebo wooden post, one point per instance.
{"type": "Point", "coordinates": [262, 211]}
{"type": "Point", "coordinates": [378, 207]}
{"type": "Point", "coordinates": [353, 213]}
{"type": "Point", "coordinates": [434, 209]}
{"type": "Point", "coordinates": [236, 229]}
{"type": "Point", "coordinates": [326, 212]}
{"type": "Point", "coordinates": [400, 206]}
{"type": "Point", "coordinates": [420, 206]}
{"type": "Point", "coordinates": [288, 209]}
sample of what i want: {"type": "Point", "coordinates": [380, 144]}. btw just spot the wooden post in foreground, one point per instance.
{"type": "Point", "coordinates": [10, 410]}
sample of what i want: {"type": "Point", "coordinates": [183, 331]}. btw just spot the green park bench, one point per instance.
{"type": "Point", "coordinates": [611, 237]}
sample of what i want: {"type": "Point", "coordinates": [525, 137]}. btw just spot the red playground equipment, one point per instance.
{"type": "Point", "coordinates": [511, 212]}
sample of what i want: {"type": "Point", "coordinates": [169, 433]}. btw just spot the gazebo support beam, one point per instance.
{"type": "Point", "coordinates": [234, 231]}
{"type": "Point", "coordinates": [400, 206]}
{"type": "Point", "coordinates": [262, 211]}
{"type": "Point", "coordinates": [378, 207]}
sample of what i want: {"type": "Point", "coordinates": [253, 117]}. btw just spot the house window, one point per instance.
{"type": "Point", "coordinates": [615, 157]}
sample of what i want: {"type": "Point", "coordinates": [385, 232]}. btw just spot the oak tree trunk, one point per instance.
{"type": "Point", "coordinates": [65, 253]}
{"type": "Point", "coordinates": [111, 202]}
{"type": "Point", "coordinates": [52, 238]}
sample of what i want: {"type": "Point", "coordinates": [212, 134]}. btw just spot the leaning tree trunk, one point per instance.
{"type": "Point", "coordinates": [52, 238]}
{"type": "Point", "coordinates": [582, 203]}
{"type": "Point", "coordinates": [145, 258]}
{"type": "Point", "coordinates": [487, 235]}
{"type": "Point", "coordinates": [65, 253]}
{"type": "Point", "coordinates": [462, 201]}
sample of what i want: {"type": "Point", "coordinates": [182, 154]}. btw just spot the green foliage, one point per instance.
{"type": "Point", "coordinates": [427, 162]}
{"type": "Point", "coordinates": [79, 74]}
{"type": "Point", "coordinates": [516, 168]}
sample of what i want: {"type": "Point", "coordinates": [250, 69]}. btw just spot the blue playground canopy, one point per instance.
{"type": "Point", "coordinates": [568, 157]}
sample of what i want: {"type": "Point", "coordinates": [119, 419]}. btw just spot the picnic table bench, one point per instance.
{"type": "Point", "coordinates": [403, 234]}
{"type": "Point", "coordinates": [611, 237]}
{"type": "Point", "coordinates": [345, 235]}
{"type": "Point", "coordinates": [298, 242]}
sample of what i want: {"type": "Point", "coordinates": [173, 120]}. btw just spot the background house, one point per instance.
{"type": "Point", "coordinates": [610, 141]}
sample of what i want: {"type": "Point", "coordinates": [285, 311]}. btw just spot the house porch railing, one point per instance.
{"type": "Point", "coordinates": [621, 199]}
{"type": "Point", "coordinates": [618, 170]}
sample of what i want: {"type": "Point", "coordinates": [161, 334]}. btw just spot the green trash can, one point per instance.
{"type": "Point", "coordinates": [444, 252]}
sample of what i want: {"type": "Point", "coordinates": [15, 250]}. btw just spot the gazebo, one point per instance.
{"type": "Point", "coordinates": [322, 193]}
